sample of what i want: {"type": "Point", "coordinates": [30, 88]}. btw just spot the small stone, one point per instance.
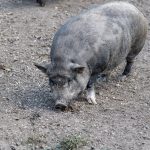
{"type": "Point", "coordinates": [16, 119]}
{"type": "Point", "coordinates": [117, 85]}
{"type": "Point", "coordinates": [10, 13]}
{"type": "Point", "coordinates": [8, 69]}
{"type": "Point", "coordinates": [2, 67]}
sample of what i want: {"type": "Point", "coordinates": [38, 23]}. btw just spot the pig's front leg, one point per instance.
{"type": "Point", "coordinates": [90, 93]}
{"type": "Point", "coordinates": [91, 98]}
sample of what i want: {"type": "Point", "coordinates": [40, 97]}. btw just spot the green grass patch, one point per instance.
{"type": "Point", "coordinates": [71, 143]}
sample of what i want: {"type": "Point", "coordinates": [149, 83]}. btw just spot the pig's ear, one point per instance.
{"type": "Point", "coordinates": [43, 68]}
{"type": "Point", "coordinates": [77, 68]}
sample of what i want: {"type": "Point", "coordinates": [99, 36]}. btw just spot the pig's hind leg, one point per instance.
{"type": "Point", "coordinates": [41, 2]}
{"type": "Point", "coordinates": [128, 66]}
{"type": "Point", "coordinates": [135, 50]}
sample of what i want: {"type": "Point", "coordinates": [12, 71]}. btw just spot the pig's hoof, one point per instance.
{"type": "Point", "coordinates": [91, 101]}
{"type": "Point", "coordinates": [42, 4]}
{"type": "Point", "coordinates": [122, 78]}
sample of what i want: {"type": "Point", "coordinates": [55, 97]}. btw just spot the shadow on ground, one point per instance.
{"type": "Point", "coordinates": [34, 97]}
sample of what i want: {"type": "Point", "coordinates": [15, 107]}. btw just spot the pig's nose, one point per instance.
{"type": "Point", "coordinates": [60, 106]}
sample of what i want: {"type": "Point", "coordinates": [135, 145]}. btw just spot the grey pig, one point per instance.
{"type": "Point", "coordinates": [94, 42]}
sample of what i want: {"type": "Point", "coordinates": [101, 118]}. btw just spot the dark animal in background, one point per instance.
{"type": "Point", "coordinates": [41, 2]}
{"type": "Point", "coordinates": [94, 42]}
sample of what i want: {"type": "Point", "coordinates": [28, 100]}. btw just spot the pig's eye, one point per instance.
{"type": "Point", "coordinates": [69, 81]}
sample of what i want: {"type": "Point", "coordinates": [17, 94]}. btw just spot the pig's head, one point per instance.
{"type": "Point", "coordinates": [66, 82]}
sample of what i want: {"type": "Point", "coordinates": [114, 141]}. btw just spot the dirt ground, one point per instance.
{"type": "Point", "coordinates": [120, 121]}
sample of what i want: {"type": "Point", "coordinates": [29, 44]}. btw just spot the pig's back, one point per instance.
{"type": "Point", "coordinates": [123, 14]}
{"type": "Point", "coordinates": [100, 32]}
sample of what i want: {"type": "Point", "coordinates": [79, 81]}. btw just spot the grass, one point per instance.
{"type": "Point", "coordinates": [71, 143]}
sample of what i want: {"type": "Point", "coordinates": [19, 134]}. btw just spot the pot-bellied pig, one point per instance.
{"type": "Point", "coordinates": [41, 2]}
{"type": "Point", "coordinates": [94, 42]}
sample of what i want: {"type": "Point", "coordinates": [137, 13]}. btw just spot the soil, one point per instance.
{"type": "Point", "coordinates": [120, 120]}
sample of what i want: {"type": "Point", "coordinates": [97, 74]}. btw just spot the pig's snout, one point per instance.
{"type": "Point", "coordinates": [61, 105]}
